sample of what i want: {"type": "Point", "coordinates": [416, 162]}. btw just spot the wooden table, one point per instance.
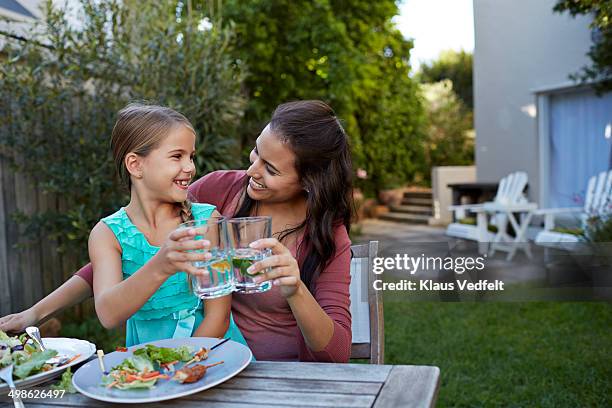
{"type": "Point", "coordinates": [280, 384]}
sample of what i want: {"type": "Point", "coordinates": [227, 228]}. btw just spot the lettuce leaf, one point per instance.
{"type": "Point", "coordinates": [137, 384]}
{"type": "Point", "coordinates": [141, 364]}
{"type": "Point", "coordinates": [107, 380]}
{"type": "Point", "coordinates": [20, 356]}
{"type": "Point", "coordinates": [124, 365]}
{"type": "Point", "coordinates": [137, 362]}
{"type": "Point", "coordinates": [5, 357]}
{"type": "Point", "coordinates": [162, 355]}
{"type": "Point", "coordinates": [8, 341]}
{"type": "Point", "coordinates": [33, 364]}
{"type": "Point", "coordinates": [65, 383]}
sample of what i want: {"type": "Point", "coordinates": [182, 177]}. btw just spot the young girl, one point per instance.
{"type": "Point", "coordinates": [301, 174]}
{"type": "Point", "coordinates": [136, 253]}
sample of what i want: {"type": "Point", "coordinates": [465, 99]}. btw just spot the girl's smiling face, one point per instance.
{"type": "Point", "coordinates": [167, 170]}
{"type": "Point", "coordinates": [272, 174]}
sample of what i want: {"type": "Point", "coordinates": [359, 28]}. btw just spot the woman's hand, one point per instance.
{"type": "Point", "coordinates": [285, 271]}
{"type": "Point", "coordinates": [17, 322]}
{"type": "Point", "coordinates": [173, 256]}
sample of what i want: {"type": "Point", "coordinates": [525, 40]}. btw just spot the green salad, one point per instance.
{"type": "Point", "coordinates": [146, 366]}
{"type": "Point", "coordinates": [27, 359]}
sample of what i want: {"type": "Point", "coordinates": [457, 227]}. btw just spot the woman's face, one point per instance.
{"type": "Point", "coordinates": [272, 174]}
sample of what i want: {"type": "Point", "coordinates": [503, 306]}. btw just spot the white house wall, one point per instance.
{"type": "Point", "coordinates": [520, 45]}
{"type": "Point", "coordinates": [19, 24]}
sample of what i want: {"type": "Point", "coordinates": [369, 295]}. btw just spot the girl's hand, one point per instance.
{"type": "Point", "coordinates": [285, 271]}
{"type": "Point", "coordinates": [17, 322]}
{"type": "Point", "coordinates": [173, 256]}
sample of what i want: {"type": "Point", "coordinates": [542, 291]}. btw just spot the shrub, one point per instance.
{"type": "Point", "coordinates": [599, 229]}
{"type": "Point", "coordinates": [450, 138]}
{"type": "Point", "coordinates": [60, 91]}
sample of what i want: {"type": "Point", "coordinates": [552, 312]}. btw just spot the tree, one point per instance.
{"type": "Point", "coordinates": [60, 92]}
{"type": "Point", "coordinates": [600, 52]}
{"type": "Point", "coordinates": [456, 66]}
{"type": "Point", "coordinates": [450, 137]}
{"type": "Point", "coordinates": [346, 52]}
{"type": "Point", "coordinates": [448, 91]}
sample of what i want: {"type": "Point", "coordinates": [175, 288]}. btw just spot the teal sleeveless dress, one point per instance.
{"type": "Point", "coordinates": [173, 311]}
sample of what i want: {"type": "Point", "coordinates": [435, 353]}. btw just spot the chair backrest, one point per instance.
{"type": "Point", "coordinates": [599, 194]}
{"type": "Point", "coordinates": [510, 189]}
{"type": "Point", "coordinates": [605, 202]}
{"type": "Point", "coordinates": [366, 306]}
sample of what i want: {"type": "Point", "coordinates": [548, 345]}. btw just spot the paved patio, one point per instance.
{"type": "Point", "coordinates": [414, 240]}
{"type": "Point", "coordinates": [546, 269]}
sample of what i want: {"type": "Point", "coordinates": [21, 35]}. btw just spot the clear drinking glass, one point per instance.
{"type": "Point", "coordinates": [243, 231]}
{"type": "Point", "coordinates": [218, 279]}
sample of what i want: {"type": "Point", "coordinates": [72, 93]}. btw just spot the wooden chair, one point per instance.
{"type": "Point", "coordinates": [366, 306]}
{"type": "Point", "coordinates": [509, 195]}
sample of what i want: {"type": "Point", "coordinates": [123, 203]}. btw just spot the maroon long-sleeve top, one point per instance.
{"type": "Point", "coordinates": [265, 319]}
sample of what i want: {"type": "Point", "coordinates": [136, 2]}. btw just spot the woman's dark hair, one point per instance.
{"type": "Point", "coordinates": [323, 163]}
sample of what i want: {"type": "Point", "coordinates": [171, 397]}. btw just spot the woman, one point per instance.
{"type": "Point", "coordinates": [301, 175]}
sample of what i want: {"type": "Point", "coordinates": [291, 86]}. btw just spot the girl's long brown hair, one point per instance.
{"type": "Point", "coordinates": [139, 129]}
{"type": "Point", "coordinates": [323, 163]}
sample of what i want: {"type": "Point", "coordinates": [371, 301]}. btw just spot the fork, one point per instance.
{"type": "Point", "coordinates": [34, 334]}
{"type": "Point", "coordinates": [6, 374]}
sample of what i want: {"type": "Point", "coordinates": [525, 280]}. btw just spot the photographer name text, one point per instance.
{"type": "Point", "coordinates": [431, 285]}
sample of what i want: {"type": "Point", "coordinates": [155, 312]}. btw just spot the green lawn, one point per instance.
{"type": "Point", "coordinates": [540, 354]}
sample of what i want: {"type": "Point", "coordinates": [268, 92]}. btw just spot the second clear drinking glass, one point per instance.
{"type": "Point", "coordinates": [218, 279]}
{"type": "Point", "coordinates": [243, 231]}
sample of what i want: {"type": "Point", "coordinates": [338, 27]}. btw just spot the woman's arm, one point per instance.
{"type": "Point", "coordinates": [316, 326]}
{"type": "Point", "coordinates": [73, 291]}
{"type": "Point", "coordinates": [86, 273]}
{"type": "Point", "coordinates": [216, 317]}
{"type": "Point", "coordinates": [333, 295]}
{"type": "Point", "coordinates": [324, 321]}
{"type": "Point", "coordinates": [110, 290]}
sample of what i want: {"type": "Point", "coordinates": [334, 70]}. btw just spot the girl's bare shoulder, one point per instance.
{"type": "Point", "coordinates": [102, 236]}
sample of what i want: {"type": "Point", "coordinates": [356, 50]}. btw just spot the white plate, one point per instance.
{"type": "Point", "coordinates": [68, 347]}
{"type": "Point", "coordinates": [235, 356]}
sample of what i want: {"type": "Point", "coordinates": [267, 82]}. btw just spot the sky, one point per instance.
{"type": "Point", "coordinates": [435, 26]}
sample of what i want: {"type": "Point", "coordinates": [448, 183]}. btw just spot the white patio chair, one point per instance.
{"type": "Point", "coordinates": [509, 193]}
{"type": "Point", "coordinates": [597, 202]}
